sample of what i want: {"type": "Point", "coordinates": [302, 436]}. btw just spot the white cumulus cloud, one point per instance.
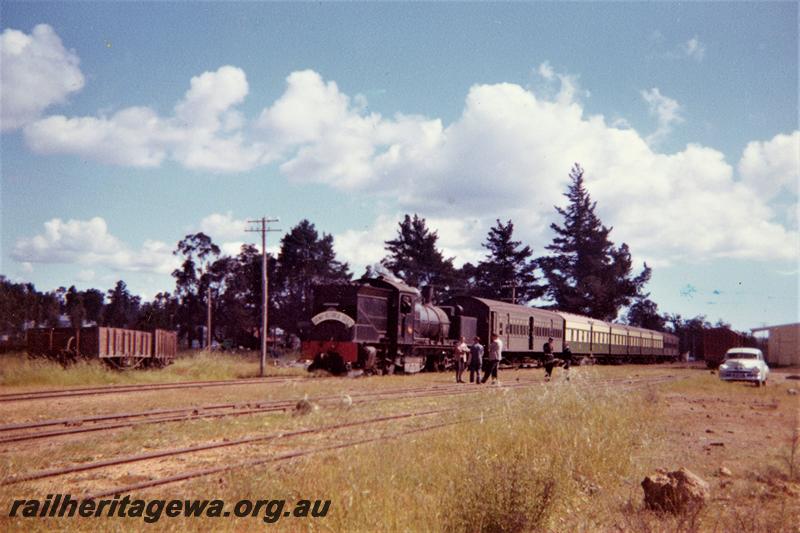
{"type": "Point", "coordinates": [204, 133]}
{"type": "Point", "coordinates": [88, 242]}
{"type": "Point", "coordinates": [224, 226]}
{"type": "Point", "coordinates": [772, 166]}
{"type": "Point", "coordinates": [36, 72]}
{"type": "Point", "coordinates": [507, 156]}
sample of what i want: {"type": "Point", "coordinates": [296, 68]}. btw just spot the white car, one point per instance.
{"type": "Point", "coordinates": [744, 364]}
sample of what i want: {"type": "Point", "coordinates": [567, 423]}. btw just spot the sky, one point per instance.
{"type": "Point", "coordinates": [128, 125]}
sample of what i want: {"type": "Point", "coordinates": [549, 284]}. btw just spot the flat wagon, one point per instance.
{"type": "Point", "coordinates": [118, 347]}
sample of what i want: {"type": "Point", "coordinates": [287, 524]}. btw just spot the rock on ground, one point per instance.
{"type": "Point", "coordinates": [675, 491]}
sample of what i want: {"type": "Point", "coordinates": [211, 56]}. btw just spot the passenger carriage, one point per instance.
{"type": "Point", "coordinates": [523, 330]}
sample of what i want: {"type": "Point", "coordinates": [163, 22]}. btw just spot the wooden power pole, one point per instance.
{"type": "Point", "coordinates": [208, 320]}
{"type": "Point", "coordinates": [263, 229]}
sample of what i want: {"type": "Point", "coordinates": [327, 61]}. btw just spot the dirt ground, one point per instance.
{"type": "Point", "coordinates": [743, 440]}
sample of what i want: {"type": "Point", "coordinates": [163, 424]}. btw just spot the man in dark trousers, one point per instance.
{"type": "Point", "coordinates": [548, 360]}
{"type": "Point", "coordinates": [493, 359]}
{"type": "Point", "coordinates": [566, 356]}
{"type": "Point", "coordinates": [475, 360]}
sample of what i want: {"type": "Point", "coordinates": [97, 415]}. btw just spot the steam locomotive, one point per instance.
{"type": "Point", "coordinates": [380, 324]}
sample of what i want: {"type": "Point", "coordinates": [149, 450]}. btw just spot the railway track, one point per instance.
{"type": "Point", "coordinates": [192, 474]}
{"type": "Point", "coordinates": [118, 389]}
{"type": "Point", "coordinates": [626, 384]}
{"type": "Point", "coordinates": [21, 432]}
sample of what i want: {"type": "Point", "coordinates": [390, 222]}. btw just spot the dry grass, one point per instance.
{"type": "Point", "coordinates": [527, 459]}
{"type": "Point", "coordinates": [18, 370]}
{"type": "Point", "coordinates": [556, 457]}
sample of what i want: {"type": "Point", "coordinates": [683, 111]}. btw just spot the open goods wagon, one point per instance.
{"type": "Point", "coordinates": [714, 343]}
{"type": "Point", "coordinates": [117, 347]}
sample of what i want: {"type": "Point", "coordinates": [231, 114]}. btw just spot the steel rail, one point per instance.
{"type": "Point", "coordinates": [196, 413]}
{"type": "Point", "coordinates": [110, 416]}
{"type": "Point", "coordinates": [207, 446]}
{"type": "Point", "coordinates": [301, 453]}
{"type": "Point", "coordinates": [256, 462]}
{"type": "Point", "coordinates": [118, 389]}
{"type": "Point", "coordinates": [248, 409]}
{"type": "Point", "coordinates": [245, 440]}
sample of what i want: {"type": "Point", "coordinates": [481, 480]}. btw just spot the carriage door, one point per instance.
{"type": "Point", "coordinates": [530, 333]}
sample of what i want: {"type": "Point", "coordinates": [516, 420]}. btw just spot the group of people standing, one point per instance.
{"type": "Point", "coordinates": [472, 357]}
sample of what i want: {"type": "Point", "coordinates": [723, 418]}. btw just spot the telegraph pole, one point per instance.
{"type": "Point", "coordinates": [261, 227]}
{"type": "Point", "coordinates": [513, 286]}
{"type": "Point", "coordinates": [208, 320]}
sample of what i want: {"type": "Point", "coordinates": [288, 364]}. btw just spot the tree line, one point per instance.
{"type": "Point", "coordinates": [584, 272]}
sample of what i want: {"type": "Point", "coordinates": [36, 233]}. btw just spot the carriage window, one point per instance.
{"type": "Point", "coordinates": [405, 304]}
{"type": "Point", "coordinates": [501, 328]}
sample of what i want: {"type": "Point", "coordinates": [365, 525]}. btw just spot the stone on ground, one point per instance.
{"type": "Point", "coordinates": [674, 492]}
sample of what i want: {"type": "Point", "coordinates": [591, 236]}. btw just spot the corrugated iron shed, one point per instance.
{"type": "Point", "coordinates": [783, 348]}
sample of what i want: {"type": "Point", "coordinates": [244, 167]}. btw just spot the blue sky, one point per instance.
{"type": "Point", "coordinates": [128, 125]}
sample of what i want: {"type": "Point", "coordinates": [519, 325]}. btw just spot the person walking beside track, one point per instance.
{"type": "Point", "coordinates": [475, 360]}
{"type": "Point", "coordinates": [548, 360]}
{"type": "Point", "coordinates": [461, 353]}
{"type": "Point", "coordinates": [493, 361]}
{"type": "Point", "coordinates": [566, 356]}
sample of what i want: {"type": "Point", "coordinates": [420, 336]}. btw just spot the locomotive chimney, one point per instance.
{"type": "Point", "coordinates": [427, 294]}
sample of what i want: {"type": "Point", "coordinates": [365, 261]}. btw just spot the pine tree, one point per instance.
{"type": "Point", "coordinates": [586, 274]}
{"type": "Point", "coordinates": [414, 258]}
{"type": "Point", "coordinates": [123, 307]}
{"type": "Point", "coordinates": [305, 259]}
{"type": "Point", "coordinates": [74, 307]}
{"type": "Point", "coordinates": [644, 314]}
{"type": "Point", "coordinates": [507, 273]}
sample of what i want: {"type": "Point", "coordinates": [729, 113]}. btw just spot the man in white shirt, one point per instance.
{"type": "Point", "coordinates": [461, 352]}
{"type": "Point", "coordinates": [493, 359]}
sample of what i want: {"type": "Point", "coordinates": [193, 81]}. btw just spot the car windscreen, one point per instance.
{"type": "Point", "coordinates": [741, 355]}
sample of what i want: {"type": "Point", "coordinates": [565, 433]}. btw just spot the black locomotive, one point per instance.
{"type": "Point", "coordinates": [380, 324]}
{"type": "Point", "coordinates": [383, 325]}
